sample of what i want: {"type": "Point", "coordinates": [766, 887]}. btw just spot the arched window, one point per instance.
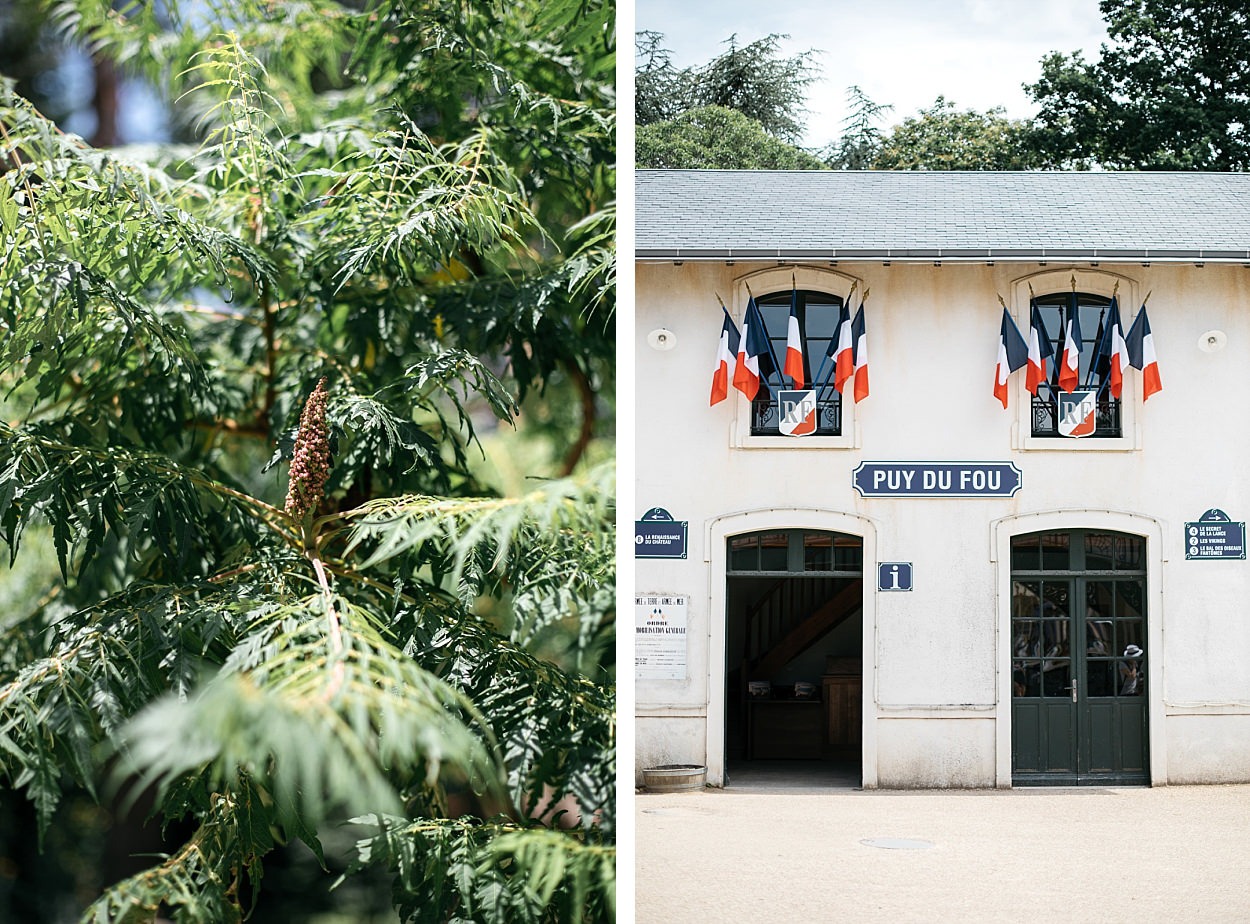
{"type": "Point", "coordinates": [1091, 310]}
{"type": "Point", "coordinates": [818, 316]}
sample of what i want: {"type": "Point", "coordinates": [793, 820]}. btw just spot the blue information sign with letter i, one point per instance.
{"type": "Point", "coordinates": [894, 575]}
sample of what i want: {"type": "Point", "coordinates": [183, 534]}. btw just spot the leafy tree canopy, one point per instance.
{"type": "Point", "coordinates": [861, 138]}
{"type": "Point", "coordinates": [712, 137]}
{"type": "Point", "coordinates": [661, 91]}
{"type": "Point", "coordinates": [406, 215]}
{"type": "Point", "coordinates": [1171, 91]}
{"type": "Point", "coordinates": [754, 79]}
{"type": "Point", "coordinates": [944, 138]}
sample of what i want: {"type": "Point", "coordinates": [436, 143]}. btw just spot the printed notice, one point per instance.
{"type": "Point", "coordinates": [660, 636]}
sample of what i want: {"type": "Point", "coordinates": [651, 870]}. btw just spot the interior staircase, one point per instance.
{"type": "Point", "coordinates": [794, 614]}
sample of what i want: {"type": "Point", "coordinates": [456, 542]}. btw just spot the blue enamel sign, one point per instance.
{"type": "Point", "coordinates": [1215, 536]}
{"type": "Point", "coordinates": [658, 535]}
{"type": "Point", "coordinates": [894, 575]}
{"type": "Point", "coordinates": [936, 479]}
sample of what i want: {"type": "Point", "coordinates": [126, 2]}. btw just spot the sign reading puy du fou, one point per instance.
{"type": "Point", "coordinates": [936, 479]}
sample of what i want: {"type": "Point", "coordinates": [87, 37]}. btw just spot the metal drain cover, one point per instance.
{"type": "Point", "coordinates": [897, 843]}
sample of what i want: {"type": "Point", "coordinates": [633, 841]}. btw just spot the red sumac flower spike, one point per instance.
{"type": "Point", "coordinates": [310, 462]}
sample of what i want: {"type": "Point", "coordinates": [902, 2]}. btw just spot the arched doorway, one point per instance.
{"type": "Point", "coordinates": [1079, 658]}
{"type": "Point", "coordinates": [793, 688]}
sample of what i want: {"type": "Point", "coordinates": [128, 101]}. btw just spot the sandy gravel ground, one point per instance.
{"type": "Point", "coordinates": [1175, 854]}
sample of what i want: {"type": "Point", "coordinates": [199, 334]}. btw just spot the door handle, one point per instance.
{"type": "Point", "coordinates": [1074, 689]}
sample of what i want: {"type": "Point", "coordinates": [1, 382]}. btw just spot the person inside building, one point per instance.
{"type": "Point", "coordinates": [1130, 672]}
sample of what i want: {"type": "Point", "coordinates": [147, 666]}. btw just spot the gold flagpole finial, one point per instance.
{"type": "Point", "coordinates": [1031, 295]}
{"type": "Point", "coordinates": [793, 282]}
{"type": "Point", "coordinates": [1001, 302]}
{"type": "Point", "coordinates": [719, 299]}
{"type": "Point", "coordinates": [1147, 298]}
{"type": "Point", "coordinates": [1073, 280]}
{"type": "Point", "coordinates": [1115, 288]}
{"type": "Point", "coordinates": [854, 283]}
{"type": "Point", "coordinates": [863, 298]}
{"type": "Point", "coordinates": [749, 292]}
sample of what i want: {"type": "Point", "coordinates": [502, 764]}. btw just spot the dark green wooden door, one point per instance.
{"type": "Point", "coordinates": [1078, 659]}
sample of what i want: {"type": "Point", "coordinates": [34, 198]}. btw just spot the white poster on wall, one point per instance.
{"type": "Point", "coordinates": [660, 636]}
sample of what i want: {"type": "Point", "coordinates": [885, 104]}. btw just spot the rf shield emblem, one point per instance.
{"type": "Point", "coordinates": [798, 412]}
{"type": "Point", "coordinates": [1076, 412]}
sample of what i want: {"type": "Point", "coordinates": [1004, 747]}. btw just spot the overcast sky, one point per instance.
{"type": "Point", "coordinates": [905, 53]}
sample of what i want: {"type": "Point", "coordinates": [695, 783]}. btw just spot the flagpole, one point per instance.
{"type": "Point", "coordinates": [1009, 317]}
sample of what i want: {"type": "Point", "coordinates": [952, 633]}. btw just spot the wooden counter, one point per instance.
{"type": "Point", "coordinates": [785, 729]}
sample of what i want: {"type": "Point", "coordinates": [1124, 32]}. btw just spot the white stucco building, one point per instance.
{"type": "Point", "coordinates": [1062, 624]}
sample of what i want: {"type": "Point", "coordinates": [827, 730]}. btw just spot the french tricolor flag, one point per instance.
{"type": "Point", "coordinates": [726, 359]}
{"type": "Point", "coordinates": [842, 348]}
{"type": "Point", "coordinates": [793, 363]}
{"type": "Point", "coordinates": [1070, 358]}
{"type": "Point", "coordinates": [859, 351]}
{"type": "Point", "coordinates": [1140, 344]}
{"type": "Point", "coordinates": [1113, 351]}
{"type": "Point", "coordinates": [1040, 349]}
{"type": "Point", "coordinates": [753, 365]}
{"type": "Point", "coordinates": [1012, 354]}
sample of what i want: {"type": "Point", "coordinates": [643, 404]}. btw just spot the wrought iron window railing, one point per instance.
{"type": "Point", "coordinates": [1046, 415]}
{"type": "Point", "coordinates": [765, 417]}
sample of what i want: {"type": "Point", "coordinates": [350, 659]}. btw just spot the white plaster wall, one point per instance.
{"type": "Point", "coordinates": [935, 753]}
{"type": "Point", "coordinates": [1213, 748]}
{"type": "Point", "coordinates": [933, 338]}
{"type": "Point", "coordinates": [669, 740]}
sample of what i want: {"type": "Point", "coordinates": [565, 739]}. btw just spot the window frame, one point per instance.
{"type": "Point", "coordinates": [795, 553]}
{"type": "Point", "coordinates": [770, 281]}
{"type": "Point", "coordinates": [1092, 282]}
{"type": "Point", "coordinates": [1063, 303]}
{"type": "Point", "coordinates": [777, 304]}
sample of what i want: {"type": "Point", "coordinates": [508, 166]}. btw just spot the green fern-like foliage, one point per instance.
{"type": "Point", "coordinates": [432, 235]}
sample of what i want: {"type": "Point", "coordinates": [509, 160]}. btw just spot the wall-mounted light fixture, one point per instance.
{"type": "Point", "coordinates": [662, 339]}
{"type": "Point", "coordinates": [1212, 341]}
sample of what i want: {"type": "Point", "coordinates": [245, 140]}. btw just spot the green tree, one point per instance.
{"type": "Point", "coordinates": [861, 138]}
{"type": "Point", "coordinates": [754, 79]}
{"type": "Point", "coordinates": [329, 282]}
{"type": "Point", "coordinates": [712, 137]}
{"type": "Point", "coordinates": [661, 91]}
{"type": "Point", "coordinates": [759, 82]}
{"type": "Point", "coordinates": [1171, 91]}
{"type": "Point", "coordinates": [943, 138]}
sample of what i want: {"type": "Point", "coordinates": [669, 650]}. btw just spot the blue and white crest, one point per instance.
{"type": "Point", "coordinates": [796, 412]}
{"type": "Point", "coordinates": [1077, 411]}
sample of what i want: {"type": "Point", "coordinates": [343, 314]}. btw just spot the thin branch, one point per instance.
{"type": "Point", "coordinates": [587, 430]}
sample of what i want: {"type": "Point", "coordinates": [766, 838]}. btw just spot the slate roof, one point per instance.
{"type": "Point", "coordinates": [926, 215]}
